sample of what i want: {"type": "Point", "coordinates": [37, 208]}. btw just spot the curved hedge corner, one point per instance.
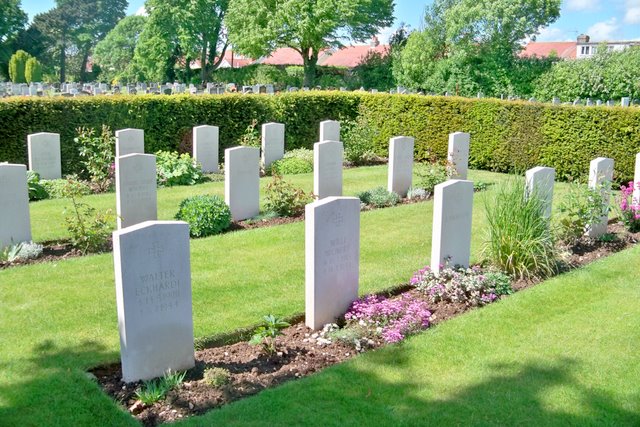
{"type": "Point", "coordinates": [506, 135]}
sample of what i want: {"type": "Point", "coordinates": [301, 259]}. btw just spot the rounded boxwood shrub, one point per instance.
{"type": "Point", "coordinates": [206, 215]}
{"type": "Point", "coordinates": [291, 165]}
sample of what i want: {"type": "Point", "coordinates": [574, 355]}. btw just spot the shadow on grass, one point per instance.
{"type": "Point", "coordinates": [51, 388]}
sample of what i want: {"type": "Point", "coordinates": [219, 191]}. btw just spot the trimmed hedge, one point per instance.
{"type": "Point", "coordinates": [506, 135]}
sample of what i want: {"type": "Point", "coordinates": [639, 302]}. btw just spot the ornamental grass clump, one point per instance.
{"type": "Point", "coordinates": [519, 239]}
{"type": "Point", "coordinates": [470, 286]}
{"type": "Point", "coordinates": [629, 207]}
{"type": "Point", "coordinates": [391, 319]}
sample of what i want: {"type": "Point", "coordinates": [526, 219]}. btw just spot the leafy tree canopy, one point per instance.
{"type": "Point", "coordinates": [115, 52]}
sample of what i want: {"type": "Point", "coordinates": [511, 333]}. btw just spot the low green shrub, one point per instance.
{"type": "Point", "coordinates": [36, 190]}
{"type": "Point", "coordinates": [431, 174]}
{"type": "Point", "coordinates": [519, 239]}
{"type": "Point", "coordinates": [56, 188]}
{"type": "Point", "coordinates": [97, 154]}
{"type": "Point", "coordinates": [177, 169]}
{"type": "Point", "coordinates": [379, 197]}
{"type": "Point", "coordinates": [21, 252]}
{"type": "Point", "coordinates": [294, 162]}
{"type": "Point", "coordinates": [358, 136]}
{"type": "Point", "coordinates": [285, 199]}
{"type": "Point", "coordinates": [216, 377]}
{"type": "Point", "coordinates": [417, 193]}
{"type": "Point", "coordinates": [206, 215]}
{"type": "Point", "coordinates": [582, 207]}
{"type": "Point", "coordinates": [251, 136]}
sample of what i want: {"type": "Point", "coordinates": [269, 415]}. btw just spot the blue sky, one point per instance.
{"type": "Point", "coordinates": [601, 19]}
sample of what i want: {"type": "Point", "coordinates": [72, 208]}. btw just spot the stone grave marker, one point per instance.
{"type": "Point", "coordinates": [600, 177]}
{"type": "Point", "coordinates": [129, 141]}
{"type": "Point", "coordinates": [242, 181]}
{"type": "Point", "coordinates": [153, 296]}
{"type": "Point", "coordinates": [332, 258]}
{"type": "Point", "coordinates": [539, 181]}
{"type": "Point", "coordinates": [459, 153]}
{"type": "Point", "coordinates": [452, 216]}
{"type": "Point", "coordinates": [205, 147]}
{"type": "Point", "coordinates": [329, 130]}
{"type": "Point", "coordinates": [327, 169]}
{"type": "Point", "coordinates": [15, 223]}
{"type": "Point", "coordinates": [44, 154]}
{"type": "Point", "coordinates": [136, 189]}
{"type": "Point", "coordinates": [272, 143]}
{"type": "Point", "coordinates": [625, 101]}
{"type": "Point", "coordinates": [400, 165]}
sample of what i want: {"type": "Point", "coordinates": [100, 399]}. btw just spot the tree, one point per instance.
{"type": "Point", "coordinates": [472, 45]}
{"type": "Point", "coordinates": [115, 52]}
{"type": "Point", "coordinates": [12, 20]}
{"type": "Point", "coordinates": [17, 65]}
{"type": "Point", "coordinates": [33, 70]}
{"type": "Point", "coordinates": [182, 31]}
{"type": "Point", "coordinates": [257, 27]}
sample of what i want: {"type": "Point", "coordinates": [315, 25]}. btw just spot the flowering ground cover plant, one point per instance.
{"type": "Point", "coordinates": [471, 286]}
{"type": "Point", "coordinates": [629, 207]}
{"type": "Point", "coordinates": [391, 319]}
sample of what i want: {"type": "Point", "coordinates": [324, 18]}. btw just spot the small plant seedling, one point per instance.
{"type": "Point", "coordinates": [608, 238]}
{"type": "Point", "coordinates": [266, 333]}
{"type": "Point", "coordinates": [216, 377]}
{"type": "Point", "coordinates": [155, 390]}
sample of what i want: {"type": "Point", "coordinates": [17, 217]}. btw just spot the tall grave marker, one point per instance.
{"type": "Point", "coordinates": [329, 130]}
{"type": "Point", "coordinates": [600, 178]}
{"type": "Point", "coordinates": [129, 141]}
{"type": "Point", "coordinates": [205, 147]}
{"type": "Point", "coordinates": [242, 181]}
{"type": "Point", "coordinates": [15, 223]}
{"type": "Point", "coordinates": [327, 168]}
{"type": "Point", "coordinates": [400, 165]}
{"type": "Point", "coordinates": [44, 154]}
{"type": "Point", "coordinates": [136, 189]}
{"type": "Point", "coordinates": [272, 143]}
{"type": "Point", "coordinates": [539, 181]}
{"type": "Point", "coordinates": [459, 153]}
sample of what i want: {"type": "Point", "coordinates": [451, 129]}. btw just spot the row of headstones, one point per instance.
{"type": "Point", "coordinates": [153, 281]}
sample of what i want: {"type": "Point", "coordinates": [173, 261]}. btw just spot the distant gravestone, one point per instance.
{"type": "Point", "coordinates": [600, 178]}
{"type": "Point", "coordinates": [539, 182]}
{"type": "Point", "coordinates": [329, 131]}
{"type": "Point", "coordinates": [44, 154]}
{"type": "Point", "coordinates": [459, 153]}
{"type": "Point", "coordinates": [610, 103]}
{"type": "Point", "coordinates": [129, 141]}
{"type": "Point", "coordinates": [400, 165]}
{"type": "Point", "coordinates": [636, 181]}
{"type": "Point", "coordinates": [599, 103]}
{"type": "Point", "coordinates": [136, 189]}
{"type": "Point", "coordinates": [589, 102]}
{"type": "Point", "coordinates": [625, 101]}
{"type": "Point", "coordinates": [272, 143]}
{"type": "Point", "coordinates": [153, 295]}
{"type": "Point", "coordinates": [332, 257]}
{"type": "Point", "coordinates": [205, 147]}
{"type": "Point", "coordinates": [452, 216]}
{"type": "Point", "coordinates": [556, 100]}
{"type": "Point", "coordinates": [15, 223]}
{"type": "Point", "coordinates": [327, 169]}
{"type": "Point", "coordinates": [242, 181]}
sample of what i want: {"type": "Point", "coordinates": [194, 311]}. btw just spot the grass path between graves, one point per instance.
{"type": "Point", "coordinates": [58, 319]}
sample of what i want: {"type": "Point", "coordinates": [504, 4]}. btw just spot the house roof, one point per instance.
{"type": "Point", "coordinates": [564, 50]}
{"type": "Point", "coordinates": [283, 56]}
{"type": "Point", "coordinates": [350, 56]}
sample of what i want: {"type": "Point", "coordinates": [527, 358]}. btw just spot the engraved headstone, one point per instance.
{"type": "Point", "coordinates": [539, 182]}
{"type": "Point", "coordinates": [129, 141]}
{"type": "Point", "coordinates": [153, 295]}
{"type": "Point", "coordinates": [15, 223]}
{"type": "Point", "coordinates": [459, 153]}
{"type": "Point", "coordinates": [136, 189]}
{"type": "Point", "coordinates": [329, 131]}
{"type": "Point", "coordinates": [44, 154]}
{"type": "Point", "coordinates": [452, 216]}
{"type": "Point", "coordinates": [400, 165]}
{"type": "Point", "coordinates": [272, 143]}
{"type": "Point", "coordinates": [332, 257]}
{"type": "Point", "coordinates": [327, 169]}
{"type": "Point", "coordinates": [205, 147]}
{"type": "Point", "coordinates": [600, 178]}
{"type": "Point", "coordinates": [242, 181]}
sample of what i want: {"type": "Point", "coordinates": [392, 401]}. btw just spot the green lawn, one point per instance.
{"type": "Point", "coordinates": [58, 319]}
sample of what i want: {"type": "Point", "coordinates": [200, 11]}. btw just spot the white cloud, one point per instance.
{"type": "Point", "coordinates": [141, 11]}
{"type": "Point", "coordinates": [605, 30]}
{"type": "Point", "coordinates": [582, 5]}
{"type": "Point", "coordinates": [632, 12]}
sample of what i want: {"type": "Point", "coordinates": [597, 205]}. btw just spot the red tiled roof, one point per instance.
{"type": "Point", "coordinates": [564, 50]}
{"type": "Point", "coordinates": [350, 56]}
{"type": "Point", "coordinates": [283, 56]}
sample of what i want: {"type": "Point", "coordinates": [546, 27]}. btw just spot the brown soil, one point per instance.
{"type": "Point", "coordinates": [51, 251]}
{"type": "Point", "coordinates": [301, 352]}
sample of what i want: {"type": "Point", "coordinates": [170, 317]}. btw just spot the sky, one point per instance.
{"type": "Point", "coordinates": [600, 19]}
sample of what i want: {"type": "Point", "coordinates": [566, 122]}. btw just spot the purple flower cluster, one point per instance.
{"type": "Point", "coordinates": [630, 206]}
{"type": "Point", "coordinates": [394, 319]}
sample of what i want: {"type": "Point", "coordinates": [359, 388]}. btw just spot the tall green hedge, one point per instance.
{"type": "Point", "coordinates": [506, 135]}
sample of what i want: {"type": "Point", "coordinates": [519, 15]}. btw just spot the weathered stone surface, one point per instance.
{"type": "Point", "coordinates": [400, 165]}
{"type": "Point", "coordinates": [129, 141]}
{"type": "Point", "coordinates": [539, 181]}
{"type": "Point", "coordinates": [272, 143]}
{"type": "Point", "coordinates": [136, 189]}
{"type": "Point", "coordinates": [459, 153]}
{"type": "Point", "coordinates": [44, 155]}
{"type": "Point", "coordinates": [329, 131]}
{"type": "Point", "coordinates": [205, 147]}
{"type": "Point", "coordinates": [15, 222]}
{"type": "Point", "coordinates": [153, 295]}
{"type": "Point", "coordinates": [600, 177]}
{"type": "Point", "coordinates": [332, 257]}
{"type": "Point", "coordinates": [327, 169]}
{"type": "Point", "coordinates": [242, 182]}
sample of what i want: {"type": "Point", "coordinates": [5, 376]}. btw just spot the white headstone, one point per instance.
{"type": "Point", "coordinates": [272, 143]}
{"type": "Point", "coordinates": [15, 223]}
{"type": "Point", "coordinates": [327, 169]}
{"type": "Point", "coordinates": [625, 101]}
{"type": "Point", "coordinates": [400, 164]}
{"type": "Point", "coordinates": [136, 189]}
{"type": "Point", "coordinates": [329, 131]}
{"type": "Point", "coordinates": [44, 154]}
{"type": "Point", "coordinates": [459, 153]}
{"type": "Point", "coordinates": [153, 295]}
{"type": "Point", "coordinates": [539, 182]}
{"type": "Point", "coordinates": [636, 181]}
{"type": "Point", "coordinates": [452, 216]}
{"type": "Point", "coordinates": [332, 257]}
{"type": "Point", "coordinates": [205, 147]}
{"type": "Point", "coordinates": [242, 181]}
{"type": "Point", "coordinates": [129, 141]}
{"type": "Point", "coordinates": [600, 177]}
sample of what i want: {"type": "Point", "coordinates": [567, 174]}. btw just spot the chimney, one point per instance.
{"type": "Point", "coordinates": [583, 38]}
{"type": "Point", "coordinates": [374, 41]}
